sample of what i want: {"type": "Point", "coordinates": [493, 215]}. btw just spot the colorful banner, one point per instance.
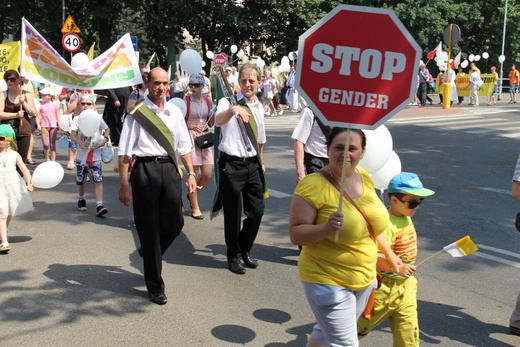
{"type": "Point", "coordinates": [462, 83]}
{"type": "Point", "coordinates": [9, 56]}
{"type": "Point", "coordinates": [115, 68]}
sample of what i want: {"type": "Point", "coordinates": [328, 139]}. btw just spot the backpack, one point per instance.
{"type": "Point", "coordinates": [188, 103]}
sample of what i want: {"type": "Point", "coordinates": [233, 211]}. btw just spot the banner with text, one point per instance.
{"type": "Point", "coordinates": [462, 83]}
{"type": "Point", "coordinates": [115, 68]}
{"type": "Point", "coordinates": [9, 56]}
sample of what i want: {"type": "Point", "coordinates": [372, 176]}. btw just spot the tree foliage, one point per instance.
{"type": "Point", "coordinates": [267, 28]}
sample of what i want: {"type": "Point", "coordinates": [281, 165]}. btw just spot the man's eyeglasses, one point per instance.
{"type": "Point", "coordinates": [11, 79]}
{"type": "Point", "coordinates": [194, 85]}
{"type": "Point", "coordinates": [5, 138]}
{"type": "Point", "coordinates": [411, 204]}
{"type": "Point", "coordinates": [86, 104]}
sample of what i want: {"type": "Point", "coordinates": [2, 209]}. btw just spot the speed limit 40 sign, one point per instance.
{"type": "Point", "coordinates": [71, 42]}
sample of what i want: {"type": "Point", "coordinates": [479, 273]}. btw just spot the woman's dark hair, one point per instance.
{"type": "Point", "coordinates": [337, 130]}
{"type": "Point", "coordinates": [10, 73]}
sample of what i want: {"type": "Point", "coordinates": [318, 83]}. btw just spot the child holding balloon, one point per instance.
{"type": "Point", "coordinates": [90, 132]}
{"type": "Point", "coordinates": [14, 190]}
{"type": "Point", "coordinates": [47, 122]}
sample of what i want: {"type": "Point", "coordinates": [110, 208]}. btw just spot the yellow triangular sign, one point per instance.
{"type": "Point", "coordinates": [70, 26]}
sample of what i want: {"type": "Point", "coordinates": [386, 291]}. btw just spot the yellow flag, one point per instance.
{"type": "Point", "coordinates": [462, 247]}
{"type": "Point", "coordinates": [90, 52]}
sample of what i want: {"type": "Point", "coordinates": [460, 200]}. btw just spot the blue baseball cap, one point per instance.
{"type": "Point", "coordinates": [407, 182]}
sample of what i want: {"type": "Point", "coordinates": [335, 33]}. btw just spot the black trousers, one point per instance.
{"type": "Point", "coordinates": [156, 194]}
{"type": "Point", "coordinates": [23, 143]}
{"type": "Point", "coordinates": [241, 184]}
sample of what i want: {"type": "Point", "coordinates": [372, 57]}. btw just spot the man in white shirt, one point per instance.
{"type": "Point", "coordinates": [156, 182]}
{"type": "Point", "coordinates": [241, 169]}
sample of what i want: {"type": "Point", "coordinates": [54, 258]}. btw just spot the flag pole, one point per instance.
{"type": "Point", "coordinates": [343, 174]}
{"type": "Point", "coordinates": [431, 256]}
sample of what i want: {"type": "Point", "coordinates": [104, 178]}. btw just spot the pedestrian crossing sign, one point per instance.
{"type": "Point", "coordinates": [70, 26]}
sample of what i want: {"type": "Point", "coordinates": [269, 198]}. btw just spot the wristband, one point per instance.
{"type": "Point", "coordinates": [192, 174]}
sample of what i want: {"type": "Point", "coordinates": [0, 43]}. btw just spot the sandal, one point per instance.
{"type": "Point", "coordinates": [71, 165]}
{"type": "Point", "coordinates": [4, 247]}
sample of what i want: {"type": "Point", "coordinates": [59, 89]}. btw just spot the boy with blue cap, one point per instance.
{"type": "Point", "coordinates": [396, 299]}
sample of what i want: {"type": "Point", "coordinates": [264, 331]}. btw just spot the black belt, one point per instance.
{"type": "Point", "coordinates": [228, 157]}
{"type": "Point", "coordinates": [159, 159]}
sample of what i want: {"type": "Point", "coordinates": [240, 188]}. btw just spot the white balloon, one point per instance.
{"type": "Point", "coordinates": [210, 55]}
{"type": "Point", "coordinates": [471, 57]}
{"type": "Point", "coordinates": [501, 58]}
{"type": "Point", "coordinates": [191, 61]}
{"type": "Point", "coordinates": [240, 54]}
{"type": "Point", "coordinates": [378, 149]}
{"type": "Point", "coordinates": [180, 103]}
{"type": "Point", "coordinates": [234, 49]}
{"type": "Point", "coordinates": [485, 55]}
{"type": "Point", "coordinates": [477, 57]}
{"type": "Point", "coordinates": [440, 63]}
{"type": "Point", "coordinates": [203, 63]}
{"type": "Point", "coordinates": [464, 64]}
{"type": "Point", "coordinates": [392, 167]}
{"type": "Point", "coordinates": [79, 59]}
{"type": "Point", "coordinates": [64, 122]}
{"type": "Point", "coordinates": [285, 61]}
{"type": "Point", "coordinates": [89, 122]}
{"type": "Point", "coordinates": [445, 56]}
{"type": "Point", "coordinates": [291, 56]}
{"type": "Point", "coordinates": [260, 63]}
{"type": "Point", "coordinates": [47, 175]}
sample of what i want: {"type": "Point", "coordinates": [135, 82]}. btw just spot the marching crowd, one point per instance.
{"type": "Point", "coordinates": [356, 262]}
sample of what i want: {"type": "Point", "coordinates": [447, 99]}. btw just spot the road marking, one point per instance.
{"type": "Point", "coordinates": [498, 259]}
{"type": "Point", "coordinates": [278, 194]}
{"type": "Point", "coordinates": [495, 190]}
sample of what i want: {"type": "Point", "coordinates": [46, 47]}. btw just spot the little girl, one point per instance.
{"type": "Point", "coordinates": [47, 122]}
{"type": "Point", "coordinates": [14, 190]}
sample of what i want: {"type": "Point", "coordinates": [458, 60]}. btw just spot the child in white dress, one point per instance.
{"type": "Point", "coordinates": [14, 190]}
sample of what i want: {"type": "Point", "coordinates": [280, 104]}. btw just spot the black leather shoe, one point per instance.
{"type": "Point", "coordinates": [249, 261]}
{"type": "Point", "coordinates": [158, 298]}
{"type": "Point", "coordinates": [234, 265]}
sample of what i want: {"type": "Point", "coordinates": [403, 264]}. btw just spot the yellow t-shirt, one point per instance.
{"type": "Point", "coordinates": [350, 262]}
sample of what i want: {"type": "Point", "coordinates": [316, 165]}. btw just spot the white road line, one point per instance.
{"type": "Point", "coordinates": [495, 190]}
{"type": "Point", "coordinates": [497, 259]}
{"type": "Point", "coordinates": [481, 254]}
{"type": "Point", "coordinates": [278, 194]}
{"type": "Point", "coordinates": [499, 250]}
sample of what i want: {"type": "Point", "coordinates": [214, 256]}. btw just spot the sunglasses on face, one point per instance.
{"type": "Point", "coordinates": [86, 104]}
{"type": "Point", "coordinates": [11, 79]}
{"type": "Point", "coordinates": [411, 204]}
{"type": "Point", "coordinates": [194, 85]}
{"type": "Point", "coordinates": [5, 138]}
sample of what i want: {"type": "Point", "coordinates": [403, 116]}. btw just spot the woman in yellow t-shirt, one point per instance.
{"type": "Point", "coordinates": [338, 272]}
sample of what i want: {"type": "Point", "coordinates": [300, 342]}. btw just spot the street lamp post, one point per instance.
{"type": "Point", "coordinates": [502, 53]}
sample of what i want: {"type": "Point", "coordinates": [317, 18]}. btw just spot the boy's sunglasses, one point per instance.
{"type": "Point", "coordinates": [5, 138]}
{"type": "Point", "coordinates": [411, 204]}
{"type": "Point", "coordinates": [194, 85]}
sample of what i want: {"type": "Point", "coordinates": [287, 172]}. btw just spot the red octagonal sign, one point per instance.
{"type": "Point", "coordinates": [357, 66]}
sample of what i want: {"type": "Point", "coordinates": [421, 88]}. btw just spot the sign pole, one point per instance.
{"type": "Point", "coordinates": [446, 86]}
{"type": "Point", "coordinates": [343, 175]}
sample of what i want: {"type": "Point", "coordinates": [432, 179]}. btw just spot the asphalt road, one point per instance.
{"type": "Point", "coordinates": [75, 279]}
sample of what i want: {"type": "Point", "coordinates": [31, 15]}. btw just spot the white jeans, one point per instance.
{"type": "Point", "coordinates": [337, 310]}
